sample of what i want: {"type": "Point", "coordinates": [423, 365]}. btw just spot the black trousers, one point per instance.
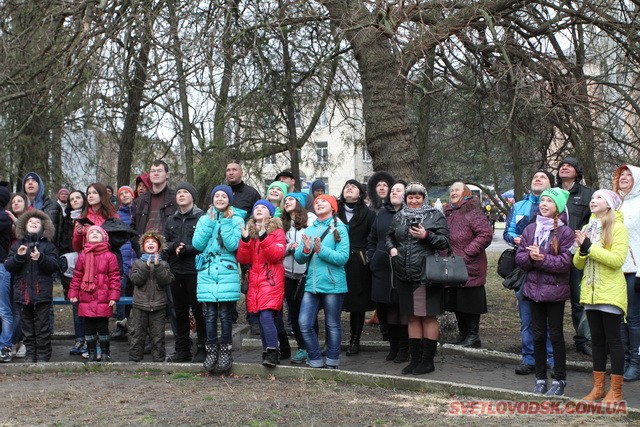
{"type": "Point", "coordinates": [605, 332]}
{"type": "Point", "coordinates": [549, 314]}
{"type": "Point", "coordinates": [290, 286]}
{"type": "Point", "coordinates": [36, 328]}
{"type": "Point", "coordinates": [184, 291]}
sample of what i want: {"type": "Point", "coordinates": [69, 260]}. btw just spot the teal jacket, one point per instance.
{"type": "Point", "coordinates": [326, 274]}
{"type": "Point", "coordinates": [218, 270]}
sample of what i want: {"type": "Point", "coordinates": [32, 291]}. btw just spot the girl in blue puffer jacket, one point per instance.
{"type": "Point", "coordinates": [217, 236]}
{"type": "Point", "coordinates": [545, 253]}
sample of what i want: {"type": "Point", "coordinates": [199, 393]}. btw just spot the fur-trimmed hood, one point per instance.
{"type": "Point", "coordinates": [48, 230]}
{"type": "Point", "coordinates": [272, 225]}
{"type": "Point", "coordinates": [153, 234]}
{"type": "Point", "coordinates": [377, 202]}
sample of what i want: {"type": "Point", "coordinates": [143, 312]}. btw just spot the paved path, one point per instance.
{"type": "Point", "coordinates": [449, 367]}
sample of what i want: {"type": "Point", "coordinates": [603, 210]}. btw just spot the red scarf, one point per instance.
{"type": "Point", "coordinates": [90, 251]}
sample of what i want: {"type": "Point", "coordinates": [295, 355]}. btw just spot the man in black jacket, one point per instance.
{"type": "Point", "coordinates": [181, 255]}
{"type": "Point", "coordinates": [33, 186]}
{"type": "Point", "coordinates": [569, 177]}
{"type": "Point", "coordinates": [244, 197]}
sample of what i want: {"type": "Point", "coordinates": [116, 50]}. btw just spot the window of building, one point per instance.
{"type": "Point", "coordinates": [324, 119]}
{"type": "Point", "coordinates": [322, 152]}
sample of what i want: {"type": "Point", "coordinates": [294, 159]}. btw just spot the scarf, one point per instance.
{"type": "Point", "coordinates": [462, 200]}
{"type": "Point", "coordinates": [149, 257]}
{"type": "Point", "coordinates": [544, 227]}
{"type": "Point", "coordinates": [594, 230]}
{"type": "Point", "coordinates": [410, 215]}
{"type": "Point", "coordinates": [90, 252]}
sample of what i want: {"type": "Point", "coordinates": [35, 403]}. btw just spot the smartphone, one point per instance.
{"type": "Point", "coordinates": [84, 221]}
{"type": "Point", "coordinates": [415, 224]}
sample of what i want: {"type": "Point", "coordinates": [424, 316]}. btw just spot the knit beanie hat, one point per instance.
{"type": "Point", "coordinates": [549, 175]}
{"type": "Point", "coordinates": [226, 189]}
{"type": "Point", "coordinates": [280, 185]}
{"type": "Point", "coordinates": [105, 236]}
{"type": "Point", "coordinates": [153, 234]}
{"type": "Point", "coordinates": [559, 197]}
{"type": "Point", "coordinates": [332, 201]}
{"type": "Point", "coordinates": [126, 188]}
{"type": "Point", "coordinates": [190, 188]}
{"type": "Point", "coordinates": [318, 184]}
{"type": "Point", "coordinates": [267, 204]}
{"type": "Point", "coordinates": [415, 188]}
{"type": "Point", "coordinates": [300, 197]}
{"type": "Point", "coordinates": [63, 190]}
{"type": "Point", "coordinates": [613, 200]}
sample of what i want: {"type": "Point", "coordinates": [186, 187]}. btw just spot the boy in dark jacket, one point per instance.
{"type": "Point", "coordinates": [32, 261]}
{"type": "Point", "coordinates": [150, 277]}
{"type": "Point", "coordinates": [181, 256]}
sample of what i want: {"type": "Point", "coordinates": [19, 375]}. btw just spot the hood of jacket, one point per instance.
{"type": "Point", "coordinates": [272, 225]}
{"type": "Point", "coordinates": [635, 172]}
{"type": "Point", "coordinates": [48, 230]}
{"type": "Point", "coordinates": [376, 201]}
{"type": "Point", "coordinates": [39, 199]}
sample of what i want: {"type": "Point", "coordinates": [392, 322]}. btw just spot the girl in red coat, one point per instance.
{"type": "Point", "coordinates": [262, 247]}
{"type": "Point", "coordinates": [96, 285]}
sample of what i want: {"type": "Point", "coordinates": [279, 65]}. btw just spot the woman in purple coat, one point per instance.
{"type": "Point", "coordinates": [544, 253]}
{"type": "Point", "coordinates": [471, 234]}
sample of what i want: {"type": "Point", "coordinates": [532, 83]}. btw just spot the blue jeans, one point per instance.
{"type": "Point", "coordinates": [526, 332]}
{"type": "Point", "coordinates": [213, 310]}
{"type": "Point", "coordinates": [6, 312]}
{"type": "Point", "coordinates": [268, 329]}
{"type": "Point", "coordinates": [578, 316]}
{"type": "Point", "coordinates": [309, 307]}
{"type": "Point", "coordinates": [78, 324]}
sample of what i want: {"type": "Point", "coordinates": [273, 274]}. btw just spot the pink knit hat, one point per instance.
{"type": "Point", "coordinates": [105, 236]}
{"type": "Point", "coordinates": [613, 200]}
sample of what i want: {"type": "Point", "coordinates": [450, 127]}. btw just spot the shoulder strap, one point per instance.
{"type": "Point", "coordinates": [322, 236]}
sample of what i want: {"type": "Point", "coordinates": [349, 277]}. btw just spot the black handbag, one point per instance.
{"type": "Point", "coordinates": [515, 279]}
{"type": "Point", "coordinates": [449, 270]}
{"type": "Point", "coordinates": [507, 262]}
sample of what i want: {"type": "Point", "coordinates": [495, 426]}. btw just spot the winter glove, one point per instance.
{"type": "Point", "coordinates": [585, 246]}
{"type": "Point", "coordinates": [636, 284]}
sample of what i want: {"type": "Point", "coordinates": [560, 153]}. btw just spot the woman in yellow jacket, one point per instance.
{"type": "Point", "coordinates": [603, 245]}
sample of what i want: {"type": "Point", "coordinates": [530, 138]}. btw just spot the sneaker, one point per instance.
{"type": "Point", "coordinates": [557, 388]}
{"type": "Point", "coordinates": [524, 369]}
{"type": "Point", "coordinates": [78, 349]}
{"type": "Point", "coordinates": [19, 351]}
{"type": "Point", "coordinates": [541, 387]}
{"type": "Point", "coordinates": [300, 357]}
{"type": "Point", "coordinates": [5, 355]}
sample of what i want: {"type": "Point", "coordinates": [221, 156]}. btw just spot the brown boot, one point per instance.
{"type": "Point", "coordinates": [597, 392]}
{"type": "Point", "coordinates": [615, 392]}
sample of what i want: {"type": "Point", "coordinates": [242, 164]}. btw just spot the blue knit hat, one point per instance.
{"type": "Point", "coordinates": [300, 197]}
{"type": "Point", "coordinates": [224, 188]}
{"type": "Point", "coordinates": [267, 204]}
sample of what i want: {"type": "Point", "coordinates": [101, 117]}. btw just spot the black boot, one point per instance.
{"type": "Point", "coordinates": [271, 358]}
{"type": "Point", "coordinates": [393, 342]}
{"type": "Point", "coordinates": [120, 334]}
{"type": "Point", "coordinates": [92, 348]}
{"type": "Point", "coordinates": [201, 353]}
{"type": "Point", "coordinates": [473, 326]}
{"type": "Point", "coordinates": [224, 358]}
{"type": "Point", "coordinates": [415, 348]}
{"type": "Point", "coordinates": [210, 361]}
{"type": "Point", "coordinates": [462, 328]}
{"type": "Point", "coordinates": [105, 346]}
{"type": "Point", "coordinates": [429, 348]}
{"type": "Point", "coordinates": [357, 323]}
{"type": "Point", "coordinates": [285, 347]}
{"type": "Point", "coordinates": [403, 344]}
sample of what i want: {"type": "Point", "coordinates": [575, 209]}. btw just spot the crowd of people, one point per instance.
{"type": "Point", "coordinates": [363, 250]}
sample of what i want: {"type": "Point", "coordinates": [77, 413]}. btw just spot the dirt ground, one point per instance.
{"type": "Point", "coordinates": [115, 398]}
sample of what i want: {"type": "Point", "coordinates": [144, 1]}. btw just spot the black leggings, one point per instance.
{"type": "Point", "coordinates": [605, 332]}
{"type": "Point", "coordinates": [96, 325]}
{"type": "Point", "coordinates": [551, 314]}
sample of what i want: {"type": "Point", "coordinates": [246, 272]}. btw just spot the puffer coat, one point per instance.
{"type": "Point", "coordinates": [150, 282]}
{"type": "Point", "coordinates": [107, 285]}
{"type": "Point", "coordinates": [218, 270]}
{"type": "Point", "coordinates": [326, 273]}
{"type": "Point", "coordinates": [547, 280]}
{"type": "Point", "coordinates": [470, 234]}
{"type": "Point", "coordinates": [264, 255]}
{"type": "Point", "coordinates": [408, 264]}
{"type": "Point", "coordinates": [33, 280]}
{"type": "Point", "coordinates": [630, 209]}
{"type": "Point", "coordinates": [603, 281]}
